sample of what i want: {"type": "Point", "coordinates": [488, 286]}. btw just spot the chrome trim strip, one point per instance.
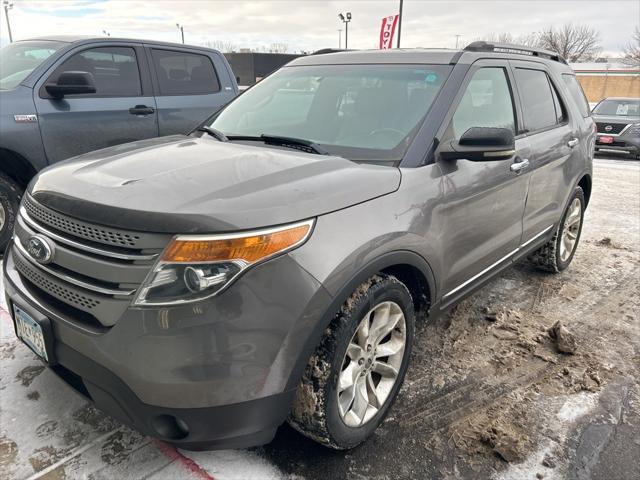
{"type": "Point", "coordinates": [67, 278]}
{"type": "Point", "coordinates": [81, 246]}
{"type": "Point", "coordinates": [493, 265]}
{"type": "Point", "coordinates": [486, 270]}
{"type": "Point", "coordinates": [531, 240]}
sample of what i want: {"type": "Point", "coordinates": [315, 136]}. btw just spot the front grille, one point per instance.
{"type": "Point", "coordinates": [94, 271]}
{"type": "Point", "coordinates": [616, 128]}
{"type": "Point", "coordinates": [80, 229]}
{"type": "Point", "coordinates": [54, 289]}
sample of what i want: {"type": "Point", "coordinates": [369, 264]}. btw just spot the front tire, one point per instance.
{"type": "Point", "coordinates": [355, 373]}
{"type": "Point", "coordinates": [10, 194]}
{"type": "Point", "coordinates": [556, 255]}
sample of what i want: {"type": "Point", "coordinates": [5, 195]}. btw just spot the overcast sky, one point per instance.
{"type": "Point", "coordinates": [313, 24]}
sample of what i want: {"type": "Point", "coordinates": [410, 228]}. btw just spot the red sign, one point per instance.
{"type": "Point", "coordinates": [387, 30]}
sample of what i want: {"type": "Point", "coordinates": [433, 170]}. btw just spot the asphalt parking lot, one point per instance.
{"type": "Point", "coordinates": [488, 394]}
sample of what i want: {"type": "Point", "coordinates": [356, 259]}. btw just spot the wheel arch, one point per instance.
{"type": "Point", "coordinates": [409, 267]}
{"type": "Point", "coordinates": [585, 184]}
{"type": "Point", "coordinates": [16, 167]}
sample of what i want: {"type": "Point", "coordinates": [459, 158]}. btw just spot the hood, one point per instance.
{"type": "Point", "coordinates": [182, 184]}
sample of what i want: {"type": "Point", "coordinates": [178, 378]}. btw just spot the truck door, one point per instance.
{"type": "Point", "coordinates": [121, 110]}
{"type": "Point", "coordinates": [190, 86]}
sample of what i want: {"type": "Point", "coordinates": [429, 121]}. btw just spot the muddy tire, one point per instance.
{"type": "Point", "coordinates": [376, 320]}
{"type": "Point", "coordinates": [556, 255]}
{"type": "Point", "coordinates": [10, 194]}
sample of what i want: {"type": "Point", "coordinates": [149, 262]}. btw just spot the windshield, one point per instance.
{"type": "Point", "coordinates": [360, 112]}
{"type": "Point", "coordinates": [17, 60]}
{"type": "Point", "coordinates": [621, 108]}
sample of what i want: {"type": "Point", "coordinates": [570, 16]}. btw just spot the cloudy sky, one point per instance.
{"type": "Point", "coordinates": [313, 24]}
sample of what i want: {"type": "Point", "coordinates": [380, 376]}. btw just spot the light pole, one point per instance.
{"type": "Point", "coordinates": [339, 38]}
{"type": "Point", "coordinates": [346, 19]}
{"type": "Point", "coordinates": [181, 28]}
{"type": "Point", "coordinates": [399, 23]}
{"type": "Point", "coordinates": [8, 6]}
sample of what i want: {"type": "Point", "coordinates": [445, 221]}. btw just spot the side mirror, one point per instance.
{"type": "Point", "coordinates": [481, 144]}
{"type": "Point", "coordinates": [71, 83]}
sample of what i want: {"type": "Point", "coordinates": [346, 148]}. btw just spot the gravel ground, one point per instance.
{"type": "Point", "coordinates": [488, 393]}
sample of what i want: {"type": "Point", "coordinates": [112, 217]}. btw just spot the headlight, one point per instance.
{"type": "Point", "coordinates": [195, 267]}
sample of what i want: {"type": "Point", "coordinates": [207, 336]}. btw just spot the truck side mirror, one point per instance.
{"type": "Point", "coordinates": [71, 83]}
{"type": "Point", "coordinates": [481, 144]}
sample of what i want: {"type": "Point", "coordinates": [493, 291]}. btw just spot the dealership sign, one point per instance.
{"type": "Point", "coordinates": [387, 30]}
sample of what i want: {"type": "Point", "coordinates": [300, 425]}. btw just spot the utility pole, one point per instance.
{"type": "Point", "coordinates": [339, 38]}
{"type": "Point", "coordinates": [181, 28]}
{"type": "Point", "coordinates": [399, 23]}
{"type": "Point", "coordinates": [346, 19]}
{"type": "Point", "coordinates": [8, 6]}
{"type": "Point", "coordinates": [457, 38]}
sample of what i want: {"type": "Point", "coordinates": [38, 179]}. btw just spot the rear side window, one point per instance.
{"type": "Point", "coordinates": [538, 99]}
{"type": "Point", "coordinates": [577, 93]}
{"type": "Point", "coordinates": [486, 103]}
{"type": "Point", "coordinates": [114, 69]}
{"type": "Point", "coordinates": [181, 73]}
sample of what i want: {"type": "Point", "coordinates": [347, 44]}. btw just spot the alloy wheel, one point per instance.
{"type": "Point", "coordinates": [571, 229]}
{"type": "Point", "coordinates": [371, 364]}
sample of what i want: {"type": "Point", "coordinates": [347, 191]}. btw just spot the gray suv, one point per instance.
{"type": "Point", "coordinates": [63, 96]}
{"type": "Point", "coordinates": [271, 266]}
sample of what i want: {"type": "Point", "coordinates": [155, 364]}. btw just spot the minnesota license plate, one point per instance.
{"type": "Point", "coordinates": [30, 332]}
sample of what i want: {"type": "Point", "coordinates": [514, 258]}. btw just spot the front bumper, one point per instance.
{"type": "Point", "coordinates": [217, 374]}
{"type": "Point", "coordinates": [622, 143]}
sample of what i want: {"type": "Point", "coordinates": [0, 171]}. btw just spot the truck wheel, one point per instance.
{"type": "Point", "coordinates": [556, 255]}
{"type": "Point", "coordinates": [354, 375]}
{"type": "Point", "coordinates": [10, 194]}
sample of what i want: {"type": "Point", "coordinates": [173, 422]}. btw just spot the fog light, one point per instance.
{"type": "Point", "coordinates": [170, 427]}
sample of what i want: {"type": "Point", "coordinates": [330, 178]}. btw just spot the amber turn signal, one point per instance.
{"type": "Point", "coordinates": [249, 248]}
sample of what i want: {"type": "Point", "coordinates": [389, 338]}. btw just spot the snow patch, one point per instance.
{"type": "Point", "coordinates": [576, 406]}
{"type": "Point", "coordinates": [235, 465]}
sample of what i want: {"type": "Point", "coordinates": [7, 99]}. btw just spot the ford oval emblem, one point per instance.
{"type": "Point", "coordinates": [40, 249]}
{"type": "Point", "coordinates": [608, 128]}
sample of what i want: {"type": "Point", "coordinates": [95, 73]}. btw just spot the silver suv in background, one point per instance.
{"type": "Point", "coordinates": [64, 96]}
{"type": "Point", "coordinates": [271, 266]}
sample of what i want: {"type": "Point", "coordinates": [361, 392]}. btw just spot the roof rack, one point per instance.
{"type": "Point", "coordinates": [482, 46]}
{"type": "Point", "coordinates": [329, 50]}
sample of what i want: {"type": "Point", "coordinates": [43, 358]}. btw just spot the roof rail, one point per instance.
{"type": "Point", "coordinates": [329, 50]}
{"type": "Point", "coordinates": [482, 46]}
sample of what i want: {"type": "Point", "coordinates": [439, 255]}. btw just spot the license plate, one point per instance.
{"type": "Point", "coordinates": [605, 140]}
{"type": "Point", "coordinates": [30, 332]}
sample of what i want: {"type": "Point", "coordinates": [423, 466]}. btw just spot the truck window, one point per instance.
{"type": "Point", "coordinates": [181, 73]}
{"type": "Point", "coordinates": [537, 98]}
{"type": "Point", "coordinates": [486, 102]}
{"type": "Point", "coordinates": [114, 70]}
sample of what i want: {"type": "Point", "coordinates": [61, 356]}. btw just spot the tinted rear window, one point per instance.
{"type": "Point", "coordinates": [577, 93]}
{"type": "Point", "coordinates": [181, 73]}
{"type": "Point", "coordinates": [535, 90]}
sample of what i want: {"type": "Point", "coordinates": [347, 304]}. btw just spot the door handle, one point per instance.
{"type": "Point", "coordinates": [141, 110]}
{"type": "Point", "coordinates": [520, 165]}
{"type": "Point", "coordinates": [572, 143]}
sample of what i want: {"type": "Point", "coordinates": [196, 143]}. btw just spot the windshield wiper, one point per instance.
{"type": "Point", "coordinates": [282, 141]}
{"type": "Point", "coordinates": [217, 134]}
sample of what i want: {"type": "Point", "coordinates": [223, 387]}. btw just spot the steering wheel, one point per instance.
{"type": "Point", "coordinates": [392, 133]}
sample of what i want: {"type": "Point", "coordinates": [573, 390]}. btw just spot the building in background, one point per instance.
{"type": "Point", "coordinates": [610, 79]}
{"type": "Point", "coordinates": [250, 67]}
